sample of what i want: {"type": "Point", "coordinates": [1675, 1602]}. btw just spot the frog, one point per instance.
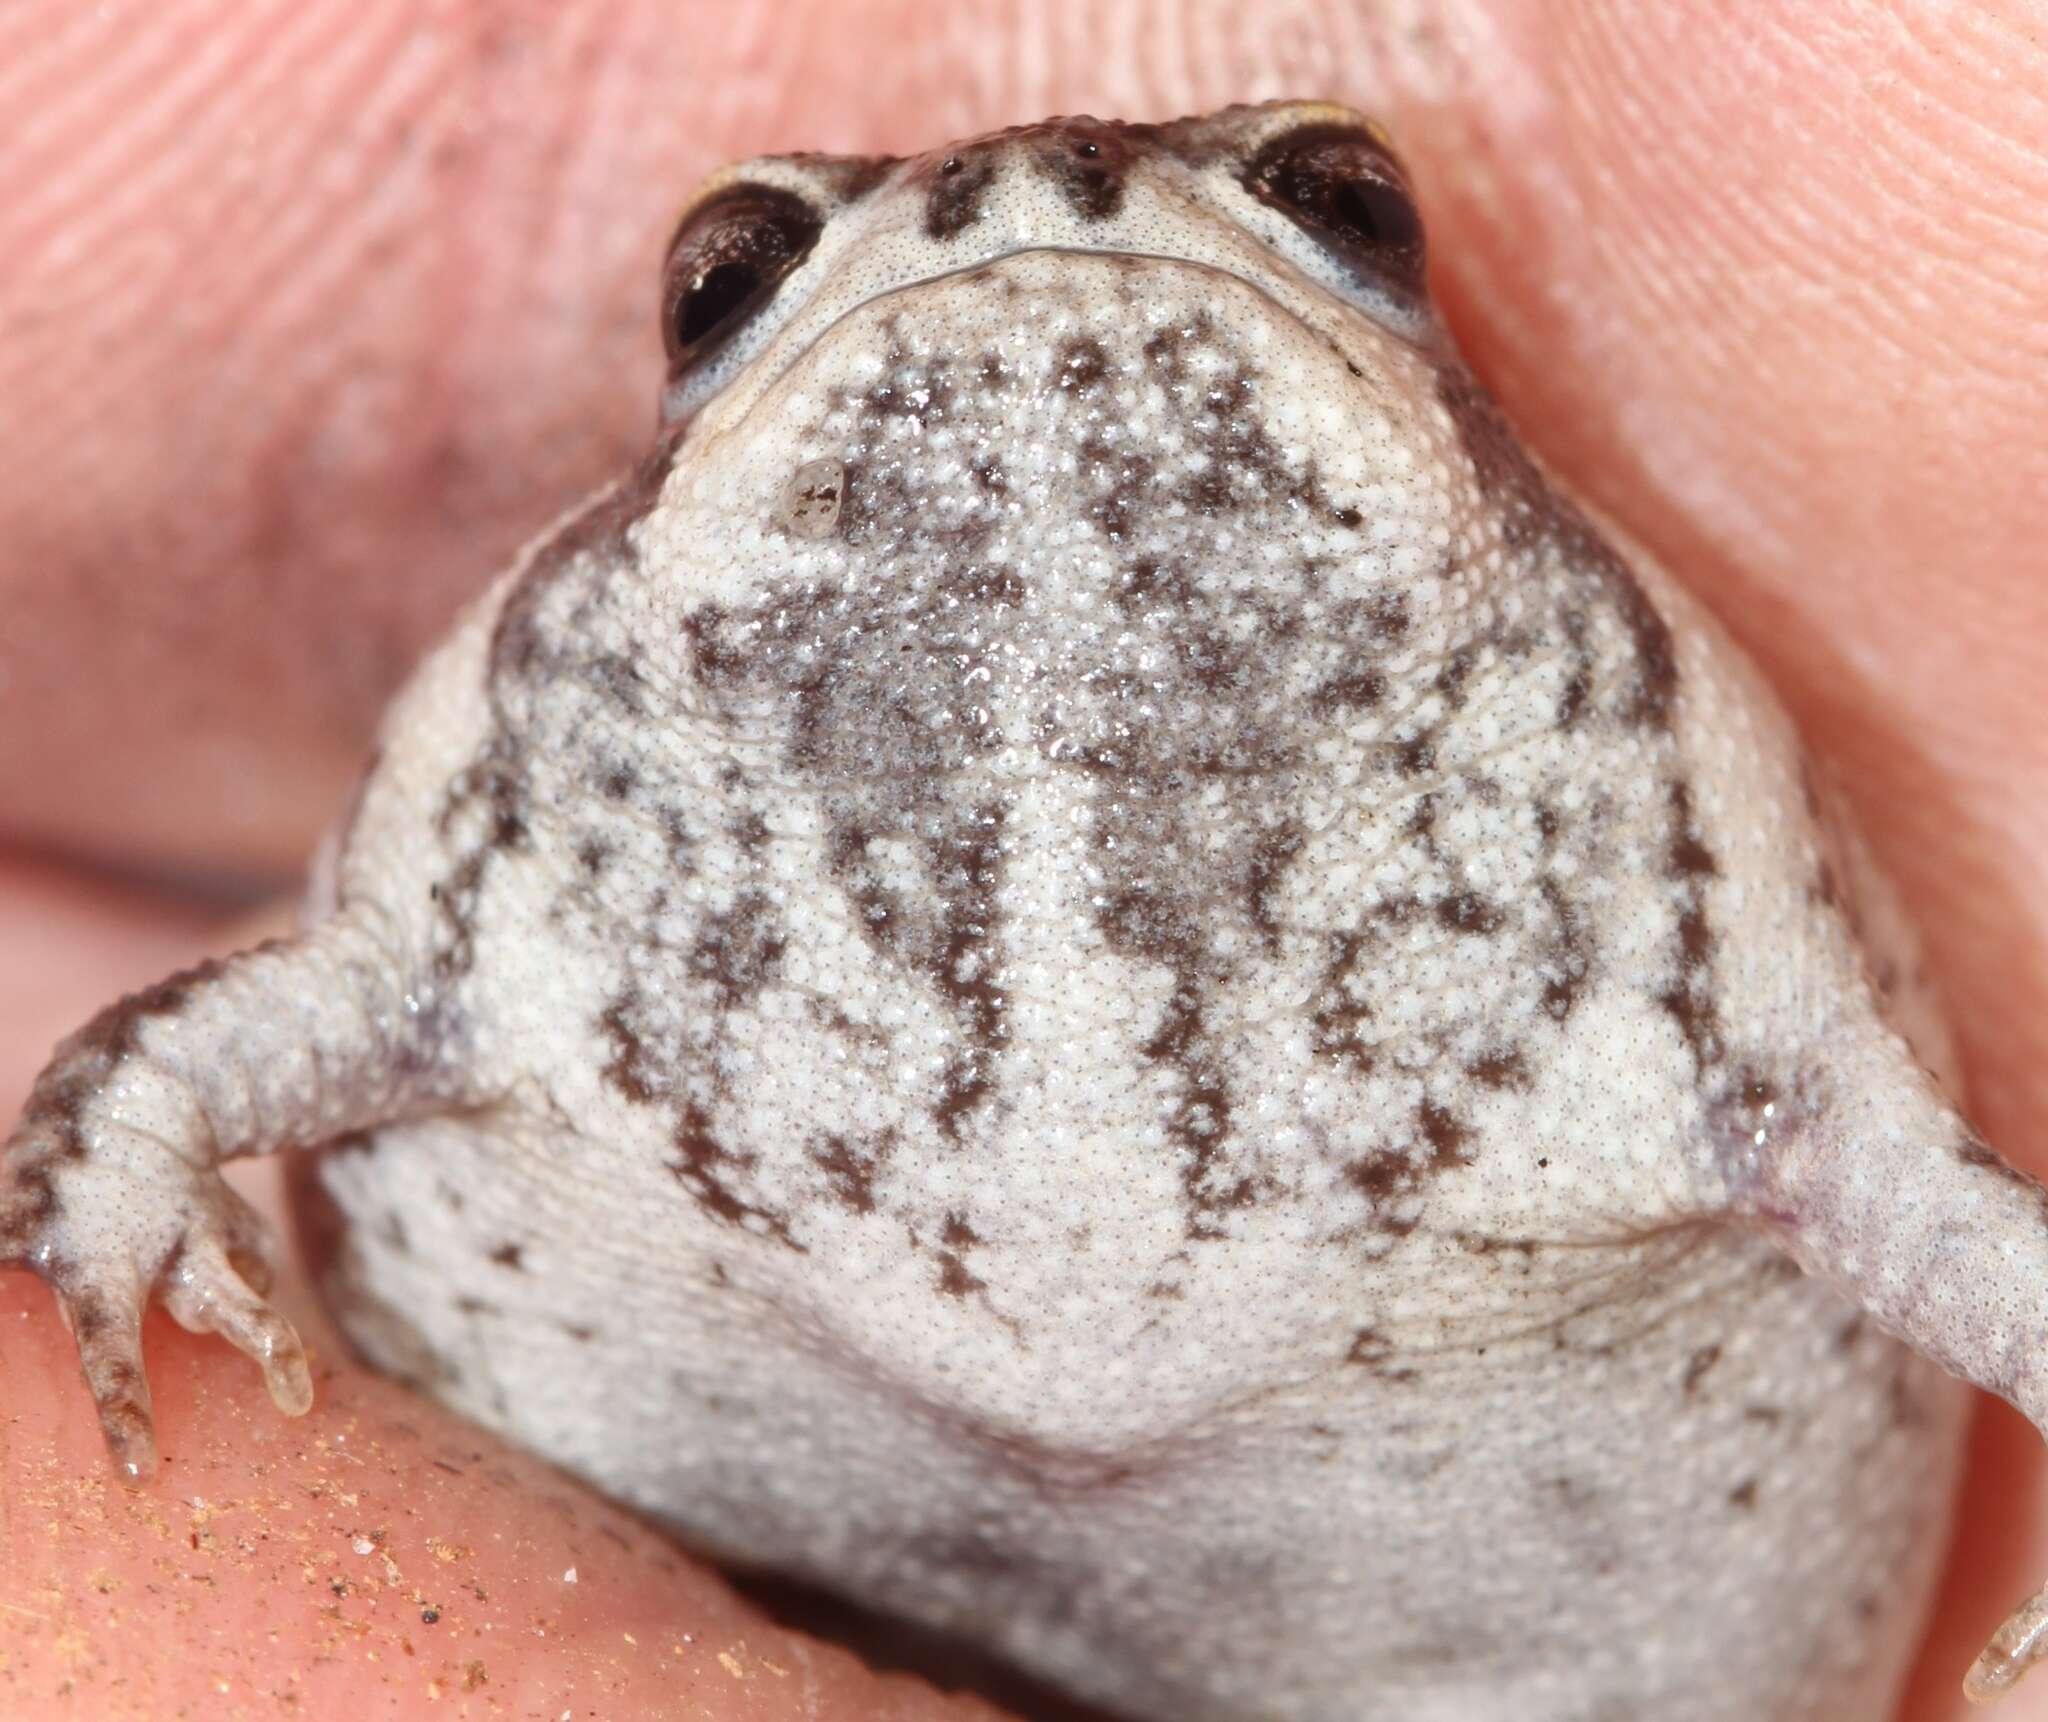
{"type": "Point", "coordinates": [1092, 968]}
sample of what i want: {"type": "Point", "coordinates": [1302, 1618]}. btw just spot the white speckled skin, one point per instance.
{"type": "Point", "coordinates": [1088, 969]}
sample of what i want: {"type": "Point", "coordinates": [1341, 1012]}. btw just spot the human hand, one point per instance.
{"type": "Point", "coordinates": [312, 314]}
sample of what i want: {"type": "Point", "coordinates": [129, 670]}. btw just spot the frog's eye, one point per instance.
{"type": "Point", "coordinates": [726, 262]}
{"type": "Point", "coordinates": [1342, 185]}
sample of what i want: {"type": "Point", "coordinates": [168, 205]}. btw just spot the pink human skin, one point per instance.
{"type": "Point", "coordinates": [309, 319]}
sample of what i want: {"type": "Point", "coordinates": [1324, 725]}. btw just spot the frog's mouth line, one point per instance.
{"type": "Point", "coordinates": [1388, 325]}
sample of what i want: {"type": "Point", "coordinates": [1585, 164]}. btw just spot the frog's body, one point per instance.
{"type": "Point", "coordinates": [1089, 969]}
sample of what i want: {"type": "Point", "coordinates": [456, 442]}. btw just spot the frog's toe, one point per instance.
{"type": "Point", "coordinates": [208, 1292]}
{"type": "Point", "coordinates": [2014, 1648]}
{"type": "Point", "coordinates": [106, 1323]}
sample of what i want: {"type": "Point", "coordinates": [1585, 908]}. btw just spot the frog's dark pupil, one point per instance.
{"type": "Point", "coordinates": [718, 293]}
{"type": "Point", "coordinates": [1375, 211]}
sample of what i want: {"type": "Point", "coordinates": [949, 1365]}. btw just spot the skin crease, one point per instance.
{"type": "Point", "coordinates": [313, 312]}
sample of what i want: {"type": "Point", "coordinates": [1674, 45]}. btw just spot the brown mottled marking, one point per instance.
{"type": "Point", "coordinates": [1571, 958]}
{"type": "Point", "coordinates": [630, 1070]}
{"type": "Point", "coordinates": [1447, 1137]}
{"type": "Point", "coordinates": [702, 1169]}
{"type": "Point", "coordinates": [90, 1058]}
{"type": "Point", "coordinates": [1688, 857]}
{"type": "Point", "coordinates": [738, 951]}
{"type": "Point", "coordinates": [1359, 688]}
{"type": "Point", "coordinates": [1698, 1365]}
{"type": "Point", "coordinates": [1337, 1016]}
{"type": "Point", "coordinates": [1368, 1345]}
{"type": "Point", "coordinates": [495, 781]}
{"type": "Point", "coordinates": [1503, 1068]}
{"type": "Point", "coordinates": [1270, 859]}
{"type": "Point", "coordinates": [1468, 912]}
{"type": "Point", "coordinates": [968, 875]}
{"type": "Point", "coordinates": [958, 1238]}
{"type": "Point", "coordinates": [850, 1172]}
{"type": "Point", "coordinates": [1080, 366]}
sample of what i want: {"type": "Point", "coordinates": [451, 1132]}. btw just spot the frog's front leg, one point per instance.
{"type": "Point", "coordinates": [109, 1184]}
{"type": "Point", "coordinates": [1870, 1178]}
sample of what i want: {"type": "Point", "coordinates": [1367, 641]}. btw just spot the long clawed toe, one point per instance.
{"type": "Point", "coordinates": [205, 1293]}
{"type": "Point", "coordinates": [107, 1325]}
{"type": "Point", "coordinates": [2014, 1648]}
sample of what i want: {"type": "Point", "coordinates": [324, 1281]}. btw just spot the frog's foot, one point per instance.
{"type": "Point", "coordinates": [109, 1184]}
{"type": "Point", "coordinates": [2014, 1648]}
{"type": "Point", "coordinates": [170, 1230]}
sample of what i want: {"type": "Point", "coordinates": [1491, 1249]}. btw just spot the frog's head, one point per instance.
{"type": "Point", "coordinates": [1131, 451]}
{"type": "Point", "coordinates": [1304, 202]}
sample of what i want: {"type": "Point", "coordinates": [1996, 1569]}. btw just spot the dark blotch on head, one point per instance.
{"type": "Point", "coordinates": [953, 202]}
{"type": "Point", "coordinates": [1337, 1015]}
{"type": "Point", "coordinates": [1089, 169]}
{"type": "Point", "coordinates": [1270, 859]}
{"type": "Point", "coordinates": [1445, 1135]}
{"type": "Point", "coordinates": [1392, 1179]}
{"type": "Point", "coordinates": [1698, 1021]}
